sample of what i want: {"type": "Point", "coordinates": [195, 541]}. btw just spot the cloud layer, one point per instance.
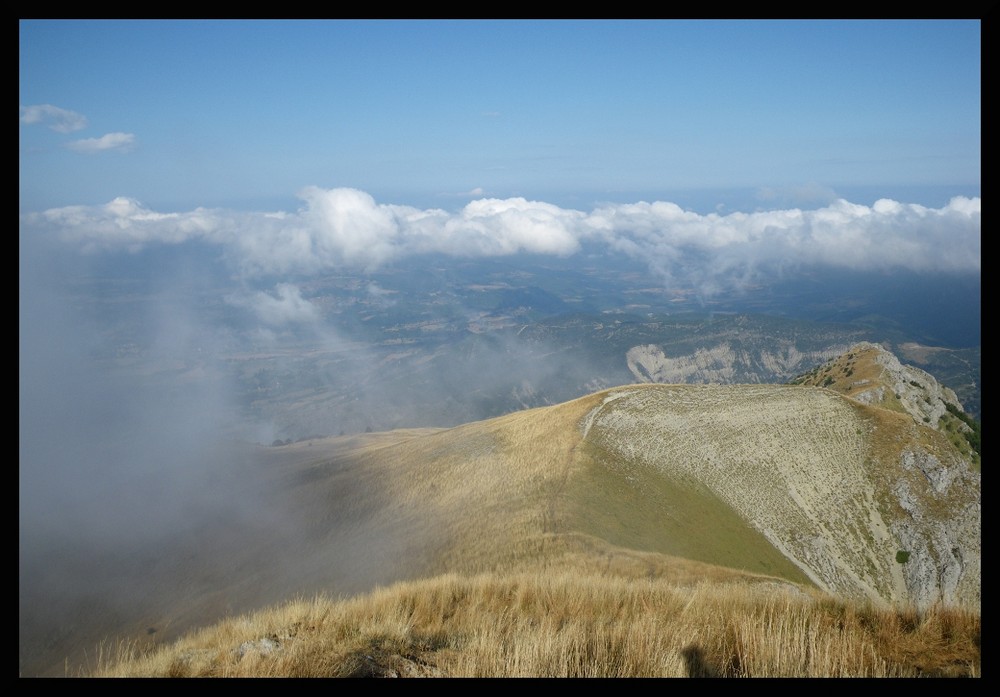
{"type": "Point", "coordinates": [347, 228]}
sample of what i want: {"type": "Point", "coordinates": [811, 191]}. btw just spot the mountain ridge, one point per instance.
{"type": "Point", "coordinates": [792, 485]}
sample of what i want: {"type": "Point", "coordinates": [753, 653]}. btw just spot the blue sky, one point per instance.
{"type": "Point", "coordinates": [711, 115]}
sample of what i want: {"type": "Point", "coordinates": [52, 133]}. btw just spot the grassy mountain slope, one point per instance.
{"type": "Point", "coordinates": [761, 494]}
{"type": "Point", "coordinates": [840, 488]}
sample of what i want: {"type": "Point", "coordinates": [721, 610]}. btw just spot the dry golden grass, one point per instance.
{"type": "Point", "coordinates": [568, 624]}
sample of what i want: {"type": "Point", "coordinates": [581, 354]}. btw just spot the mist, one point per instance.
{"type": "Point", "coordinates": [146, 507]}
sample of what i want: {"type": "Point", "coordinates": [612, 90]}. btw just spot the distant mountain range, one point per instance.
{"type": "Point", "coordinates": [429, 375]}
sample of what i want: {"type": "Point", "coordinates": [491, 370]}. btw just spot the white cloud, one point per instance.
{"type": "Point", "coordinates": [498, 227]}
{"type": "Point", "coordinates": [347, 227]}
{"type": "Point", "coordinates": [286, 305]}
{"type": "Point", "coordinates": [845, 235]}
{"type": "Point", "coordinates": [123, 142]}
{"type": "Point", "coordinates": [61, 120]}
{"type": "Point", "coordinates": [124, 223]}
{"type": "Point", "coordinates": [477, 191]}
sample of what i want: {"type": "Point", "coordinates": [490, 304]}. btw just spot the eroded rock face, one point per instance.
{"type": "Point", "coordinates": [873, 396]}
{"type": "Point", "coordinates": [648, 363]}
{"type": "Point", "coordinates": [943, 552]}
{"type": "Point", "coordinates": [922, 396]}
{"type": "Point", "coordinates": [937, 474]}
{"type": "Point", "coordinates": [723, 363]}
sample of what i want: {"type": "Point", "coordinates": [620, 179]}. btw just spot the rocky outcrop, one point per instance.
{"type": "Point", "coordinates": [940, 555]}
{"type": "Point", "coordinates": [922, 396]}
{"type": "Point", "coordinates": [726, 362]}
{"type": "Point", "coordinates": [872, 375]}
